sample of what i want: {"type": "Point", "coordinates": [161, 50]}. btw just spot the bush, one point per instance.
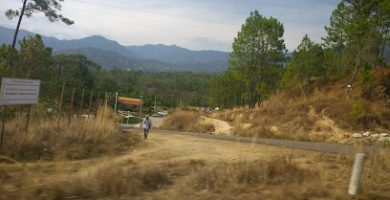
{"type": "Point", "coordinates": [187, 121]}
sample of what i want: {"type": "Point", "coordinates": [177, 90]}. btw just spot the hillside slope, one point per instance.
{"type": "Point", "coordinates": [326, 114]}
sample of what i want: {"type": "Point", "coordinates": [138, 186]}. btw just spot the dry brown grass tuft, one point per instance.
{"type": "Point", "coordinates": [187, 121]}
{"type": "Point", "coordinates": [376, 178]}
{"type": "Point", "coordinates": [277, 171]}
{"type": "Point", "coordinates": [78, 140]}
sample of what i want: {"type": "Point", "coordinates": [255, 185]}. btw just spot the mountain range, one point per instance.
{"type": "Point", "coordinates": [110, 54]}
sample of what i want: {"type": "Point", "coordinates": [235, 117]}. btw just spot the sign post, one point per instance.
{"type": "Point", "coordinates": [2, 126]}
{"type": "Point", "coordinates": [18, 92]}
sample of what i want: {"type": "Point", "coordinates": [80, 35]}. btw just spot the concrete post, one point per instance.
{"type": "Point", "coordinates": [357, 171]}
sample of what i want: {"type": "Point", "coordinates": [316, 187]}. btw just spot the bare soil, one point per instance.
{"type": "Point", "coordinates": [170, 166]}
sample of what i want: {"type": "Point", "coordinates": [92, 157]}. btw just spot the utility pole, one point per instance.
{"type": "Point", "coordinates": [141, 96]}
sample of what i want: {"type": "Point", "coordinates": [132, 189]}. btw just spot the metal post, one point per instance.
{"type": "Point", "coordinates": [116, 102]}
{"type": "Point", "coordinates": [71, 106]}
{"type": "Point", "coordinates": [140, 107]}
{"type": "Point", "coordinates": [155, 98]}
{"type": "Point", "coordinates": [357, 170]}
{"type": "Point", "coordinates": [61, 100]}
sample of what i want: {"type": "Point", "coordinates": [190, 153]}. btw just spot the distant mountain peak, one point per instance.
{"type": "Point", "coordinates": [110, 53]}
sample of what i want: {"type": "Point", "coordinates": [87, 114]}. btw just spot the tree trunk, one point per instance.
{"type": "Point", "coordinates": [17, 27]}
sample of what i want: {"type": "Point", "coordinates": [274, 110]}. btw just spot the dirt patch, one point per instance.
{"type": "Point", "coordinates": [221, 127]}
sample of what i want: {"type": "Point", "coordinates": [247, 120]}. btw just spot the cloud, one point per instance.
{"type": "Point", "coordinates": [200, 24]}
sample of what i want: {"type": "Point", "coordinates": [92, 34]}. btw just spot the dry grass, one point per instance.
{"type": "Point", "coordinates": [324, 176]}
{"type": "Point", "coordinates": [377, 176]}
{"type": "Point", "coordinates": [187, 121]}
{"type": "Point", "coordinates": [78, 140]}
{"type": "Point", "coordinates": [323, 115]}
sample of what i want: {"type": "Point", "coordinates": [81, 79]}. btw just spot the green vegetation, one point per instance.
{"type": "Point", "coordinates": [357, 41]}
{"type": "Point", "coordinates": [255, 61]}
{"type": "Point", "coordinates": [35, 61]}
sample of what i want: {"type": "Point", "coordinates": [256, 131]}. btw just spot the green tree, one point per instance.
{"type": "Point", "coordinates": [258, 51]}
{"type": "Point", "coordinates": [9, 61]}
{"type": "Point", "coordinates": [358, 32]}
{"type": "Point", "coordinates": [307, 64]}
{"type": "Point", "coordinates": [227, 90]}
{"type": "Point", "coordinates": [48, 7]}
{"type": "Point", "coordinates": [77, 71]}
{"type": "Point", "coordinates": [36, 60]}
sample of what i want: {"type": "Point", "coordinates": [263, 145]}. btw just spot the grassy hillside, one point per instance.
{"type": "Point", "coordinates": [323, 113]}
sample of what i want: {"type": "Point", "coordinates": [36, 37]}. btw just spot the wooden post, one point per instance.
{"type": "Point", "coordinates": [71, 106]}
{"type": "Point", "coordinates": [28, 117]}
{"type": "Point", "coordinates": [90, 102]}
{"type": "Point", "coordinates": [61, 100]}
{"type": "Point", "coordinates": [357, 171]}
{"type": "Point", "coordinates": [105, 99]}
{"type": "Point", "coordinates": [97, 103]}
{"type": "Point", "coordinates": [81, 101]}
{"type": "Point", "coordinates": [89, 106]}
{"type": "Point", "coordinates": [2, 125]}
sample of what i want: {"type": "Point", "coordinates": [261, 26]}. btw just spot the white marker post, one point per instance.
{"type": "Point", "coordinates": [357, 171]}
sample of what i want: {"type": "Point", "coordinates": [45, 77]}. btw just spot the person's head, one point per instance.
{"type": "Point", "coordinates": [147, 116]}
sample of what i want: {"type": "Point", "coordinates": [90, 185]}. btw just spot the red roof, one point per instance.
{"type": "Point", "coordinates": [129, 101]}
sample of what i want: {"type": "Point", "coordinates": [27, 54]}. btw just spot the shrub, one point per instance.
{"type": "Point", "coordinates": [187, 121]}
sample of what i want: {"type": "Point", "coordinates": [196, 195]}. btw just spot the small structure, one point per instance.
{"type": "Point", "coordinates": [130, 101]}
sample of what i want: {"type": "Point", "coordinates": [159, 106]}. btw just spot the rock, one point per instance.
{"type": "Point", "coordinates": [367, 134]}
{"type": "Point", "coordinates": [375, 135]}
{"type": "Point", "coordinates": [383, 135]}
{"type": "Point", "coordinates": [357, 135]}
{"type": "Point", "coordinates": [274, 129]}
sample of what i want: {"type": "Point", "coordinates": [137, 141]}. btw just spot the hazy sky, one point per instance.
{"type": "Point", "coordinates": [194, 24]}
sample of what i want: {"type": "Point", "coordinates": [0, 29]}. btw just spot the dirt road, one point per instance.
{"type": "Point", "coordinates": [173, 147]}
{"type": "Point", "coordinates": [170, 166]}
{"type": "Point", "coordinates": [162, 146]}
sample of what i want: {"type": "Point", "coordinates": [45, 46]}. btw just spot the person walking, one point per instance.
{"type": "Point", "coordinates": [147, 126]}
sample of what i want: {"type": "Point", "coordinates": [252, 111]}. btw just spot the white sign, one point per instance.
{"type": "Point", "coordinates": [19, 91]}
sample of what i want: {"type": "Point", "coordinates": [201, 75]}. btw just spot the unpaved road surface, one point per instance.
{"type": "Point", "coordinates": [221, 127]}
{"type": "Point", "coordinates": [163, 146]}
